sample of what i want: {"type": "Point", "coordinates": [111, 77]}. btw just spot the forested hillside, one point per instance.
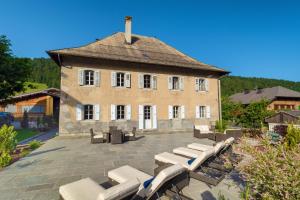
{"type": "Point", "coordinates": [233, 84]}
{"type": "Point", "coordinates": [44, 70]}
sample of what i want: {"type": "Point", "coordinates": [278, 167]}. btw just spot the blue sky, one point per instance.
{"type": "Point", "coordinates": [248, 38]}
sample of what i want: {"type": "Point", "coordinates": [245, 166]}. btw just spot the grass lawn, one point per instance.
{"type": "Point", "coordinates": [25, 133]}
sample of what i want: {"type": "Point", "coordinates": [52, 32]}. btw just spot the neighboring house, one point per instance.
{"type": "Point", "coordinates": [280, 98]}
{"type": "Point", "coordinates": [284, 118]}
{"type": "Point", "coordinates": [134, 81]}
{"type": "Point", "coordinates": [37, 104]}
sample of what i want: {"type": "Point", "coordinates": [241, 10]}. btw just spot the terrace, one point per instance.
{"type": "Point", "coordinates": [63, 160]}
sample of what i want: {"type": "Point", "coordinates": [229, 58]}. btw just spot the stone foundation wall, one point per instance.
{"type": "Point", "coordinates": [83, 127]}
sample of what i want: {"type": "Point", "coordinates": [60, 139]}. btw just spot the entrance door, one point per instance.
{"type": "Point", "coordinates": [147, 117]}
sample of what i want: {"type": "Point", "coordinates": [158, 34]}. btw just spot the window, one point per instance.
{"type": "Point", "coordinates": [147, 81]}
{"type": "Point", "coordinates": [120, 112]}
{"type": "Point", "coordinates": [120, 79]}
{"type": "Point", "coordinates": [276, 107]}
{"type": "Point", "coordinates": [33, 109]}
{"type": "Point", "coordinates": [202, 111]}
{"type": "Point", "coordinates": [175, 83]}
{"type": "Point", "coordinates": [201, 84]}
{"type": "Point", "coordinates": [88, 77]}
{"type": "Point", "coordinates": [147, 112]}
{"type": "Point", "coordinates": [88, 112]}
{"type": "Point", "coordinates": [175, 112]}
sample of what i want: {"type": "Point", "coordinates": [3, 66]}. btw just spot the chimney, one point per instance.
{"type": "Point", "coordinates": [128, 29]}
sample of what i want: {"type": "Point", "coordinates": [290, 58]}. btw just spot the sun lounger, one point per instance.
{"type": "Point", "coordinates": [169, 180]}
{"type": "Point", "coordinates": [213, 161]}
{"type": "Point", "coordinates": [194, 166]}
{"type": "Point", "coordinates": [87, 189]}
{"type": "Point", "coordinates": [224, 148]}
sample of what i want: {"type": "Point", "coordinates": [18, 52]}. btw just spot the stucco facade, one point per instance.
{"type": "Point", "coordinates": [162, 97]}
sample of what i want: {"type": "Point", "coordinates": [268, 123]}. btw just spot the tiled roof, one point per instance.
{"type": "Point", "coordinates": [143, 49]}
{"type": "Point", "coordinates": [266, 93]}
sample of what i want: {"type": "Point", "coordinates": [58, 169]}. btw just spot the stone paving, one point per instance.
{"type": "Point", "coordinates": [63, 160]}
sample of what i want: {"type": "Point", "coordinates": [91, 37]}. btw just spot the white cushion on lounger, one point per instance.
{"type": "Point", "coordinates": [162, 177]}
{"type": "Point", "coordinates": [88, 189]}
{"type": "Point", "coordinates": [175, 159]}
{"type": "Point", "coordinates": [203, 147]}
{"type": "Point", "coordinates": [83, 189]}
{"type": "Point", "coordinates": [125, 173]}
{"type": "Point", "coordinates": [120, 191]}
{"type": "Point", "coordinates": [187, 152]}
{"type": "Point", "coordinates": [229, 141]}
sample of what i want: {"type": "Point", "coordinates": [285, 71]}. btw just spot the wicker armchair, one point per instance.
{"type": "Point", "coordinates": [130, 136]}
{"type": "Point", "coordinates": [96, 138]}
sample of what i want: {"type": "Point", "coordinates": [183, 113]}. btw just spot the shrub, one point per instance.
{"type": "Point", "coordinates": [221, 126]}
{"type": "Point", "coordinates": [25, 121]}
{"type": "Point", "coordinates": [34, 144]}
{"type": "Point", "coordinates": [8, 140]}
{"type": "Point", "coordinates": [274, 171]}
{"type": "Point", "coordinates": [5, 159]}
{"type": "Point", "coordinates": [292, 138]}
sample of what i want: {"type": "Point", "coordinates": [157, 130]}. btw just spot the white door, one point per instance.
{"type": "Point", "coordinates": [147, 117]}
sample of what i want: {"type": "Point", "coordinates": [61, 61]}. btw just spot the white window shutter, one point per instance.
{"type": "Point", "coordinates": [78, 112]}
{"type": "Point", "coordinates": [141, 80]}
{"type": "Point", "coordinates": [170, 109]}
{"type": "Point", "coordinates": [206, 84]}
{"type": "Point", "coordinates": [197, 112]}
{"type": "Point", "coordinates": [182, 110]}
{"type": "Point", "coordinates": [113, 112]}
{"type": "Point", "coordinates": [97, 78]}
{"type": "Point", "coordinates": [80, 76]}
{"type": "Point", "coordinates": [207, 111]}
{"type": "Point", "coordinates": [128, 112]}
{"type": "Point", "coordinates": [154, 116]}
{"type": "Point", "coordinates": [128, 80]}
{"type": "Point", "coordinates": [113, 79]}
{"type": "Point", "coordinates": [141, 117]}
{"type": "Point", "coordinates": [154, 82]}
{"type": "Point", "coordinates": [170, 82]}
{"type": "Point", "coordinates": [197, 84]}
{"type": "Point", "coordinates": [97, 112]}
{"type": "Point", "coordinates": [181, 83]}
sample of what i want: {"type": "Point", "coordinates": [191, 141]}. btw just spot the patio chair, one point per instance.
{"type": "Point", "coordinates": [169, 181]}
{"type": "Point", "coordinates": [96, 138]}
{"type": "Point", "coordinates": [130, 136]}
{"type": "Point", "coordinates": [87, 189]}
{"type": "Point", "coordinates": [203, 131]}
{"type": "Point", "coordinates": [195, 166]}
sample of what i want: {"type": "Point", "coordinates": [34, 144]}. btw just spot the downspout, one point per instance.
{"type": "Point", "coordinates": [219, 99]}
{"type": "Point", "coordinates": [58, 58]}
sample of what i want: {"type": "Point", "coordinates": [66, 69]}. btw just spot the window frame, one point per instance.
{"type": "Point", "coordinates": [202, 112]}
{"type": "Point", "coordinates": [176, 112]}
{"type": "Point", "coordinates": [202, 85]}
{"type": "Point", "coordinates": [120, 111]}
{"type": "Point", "coordinates": [89, 113]}
{"type": "Point", "coordinates": [119, 77]}
{"type": "Point", "coordinates": [149, 76]}
{"type": "Point", "coordinates": [174, 84]}
{"type": "Point", "coordinates": [91, 77]}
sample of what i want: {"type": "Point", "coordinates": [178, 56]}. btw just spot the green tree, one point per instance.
{"type": "Point", "coordinates": [231, 111]}
{"type": "Point", "coordinates": [13, 71]}
{"type": "Point", "coordinates": [254, 114]}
